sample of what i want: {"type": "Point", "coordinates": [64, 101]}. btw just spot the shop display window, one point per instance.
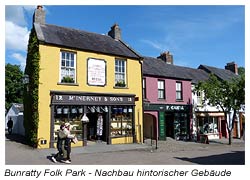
{"type": "Point", "coordinates": [121, 121]}
{"type": "Point", "coordinates": [181, 126]}
{"type": "Point", "coordinates": [71, 114]}
{"type": "Point", "coordinates": [208, 125]}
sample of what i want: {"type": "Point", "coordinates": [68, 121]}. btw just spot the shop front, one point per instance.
{"type": "Point", "coordinates": [211, 124]}
{"type": "Point", "coordinates": [94, 117]}
{"type": "Point", "coordinates": [173, 120]}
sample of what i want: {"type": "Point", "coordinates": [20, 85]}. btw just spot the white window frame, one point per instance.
{"type": "Point", "coordinates": [161, 89]}
{"type": "Point", "coordinates": [119, 72]}
{"type": "Point", "coordinates": [69, 67]}
{"type": "Point", "coordinates": [179, 91]}
{"type": "Point", "coordinates": [199, 98]}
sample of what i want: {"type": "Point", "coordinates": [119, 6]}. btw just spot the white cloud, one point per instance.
{"type": "Point", "coordinates": [154, 44]}
{"type": "Point", "coordinates": [16, 37]}
{"type": "Point", "coordinates": [16, 14]}
{"type": "Point", "coordinates": [20, 58]}
{"type": "Point", "coordinates": [17, 22]}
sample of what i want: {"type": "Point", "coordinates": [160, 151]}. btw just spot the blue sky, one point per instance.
{"type": "Point", "coordinates": [211, 35]}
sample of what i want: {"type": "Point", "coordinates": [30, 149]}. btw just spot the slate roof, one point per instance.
{"type": "Point", "coordinates": [157, 67]}
{"type": "Point", "coordinates": [222, 74]}
{"type": "Point", "coordinates": [82, 40]}
{"type": "Point", "coordinates": [18, 107]}
{"type": "Point", "coordinates": [196, 75]}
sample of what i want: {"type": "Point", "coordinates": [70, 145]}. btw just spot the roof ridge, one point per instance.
{"type": "Point", "coordinates": [170, 64]}
{"type": "Point", "coordinates": [217, 68]}
{"type": "Point", "coordinates": [75, 29]}
{"type": "Point", "coordinates": [82, 39]}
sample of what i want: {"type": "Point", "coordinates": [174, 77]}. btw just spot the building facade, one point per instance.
{"type": "Point", "coordinates": [88, 80]}
{"type": "Point", "coordinates": [167, 100]}
{"type": "Point", "coordinates": [15, 113]}
{"type": "Point", "coordinates": [210, 120]}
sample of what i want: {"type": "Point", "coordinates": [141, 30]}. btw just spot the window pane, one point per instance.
{"type": "Point", "coordinates": [67, 63]}
{"type": "Point", "coordinates": [160, 85]}
{"type": "Point", "coordinates": [67, 55]}
{"type": "Point", "coordinates": [62, 55]}
{"type": "Point", "coordinates": [63, 63]}
{"type": "Point", "coordinates": [178, 95]}
{"type": "Point", "coordinates": [177, 86]}
{"type": "Point", "coordinates": [160, 95]}
{"type": "Point", "coordinates": [72, 63]}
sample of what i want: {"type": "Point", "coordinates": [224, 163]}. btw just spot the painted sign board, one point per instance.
{"type": "Point", "coordinates": [96, 72]}
{"type": "Point", "coordinates": [162, 127]}
{"type": "Point", "coordinates": [92, 99]}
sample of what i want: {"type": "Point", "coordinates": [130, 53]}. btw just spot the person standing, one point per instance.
{"type": "Point", "coordinates": [10, 125]}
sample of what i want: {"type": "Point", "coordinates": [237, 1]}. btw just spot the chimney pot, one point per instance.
{"type": "Point", "coordinates": [39, 15]}
{"type": "Point", "coordinates": [232, 66]}
{"type": "Point", "coordinates": [39, 7]}
{"type": "Point", "coordinates": [115, 32]}
{"type": "Point", "coordinates": [166, 57]}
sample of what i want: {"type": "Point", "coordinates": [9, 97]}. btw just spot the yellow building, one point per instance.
{"type": "Point", "coordinates": [90, 80]}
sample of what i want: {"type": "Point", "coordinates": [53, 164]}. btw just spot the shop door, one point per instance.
{"type": "Point", "coordinates": [235, 129]}
{"type": "Point", "coordinates": [223, 128]}
{"type": "Point", "coordinates": [149, 126]}
{"type": "Point", "coordinates": [97, 127]}
{"type": "Point", "coordinates": [170, 125]}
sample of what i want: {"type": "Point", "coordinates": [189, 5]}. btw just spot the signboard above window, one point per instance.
{"type": "Point", "coordinates": [96, 72]}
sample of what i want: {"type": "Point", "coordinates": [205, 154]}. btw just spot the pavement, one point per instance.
{"type": "Point", "coordinates": [167, 152]}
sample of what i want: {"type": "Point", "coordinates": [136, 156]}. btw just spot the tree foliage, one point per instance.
{"type": "Point", "coordinates": [31, 114]}
{"type": "Point", "coordinates": [228, 95]}
{"type": "Point", "coordinates": [13, 85]}
{"type": "Point", "coordinates": [241, 71]}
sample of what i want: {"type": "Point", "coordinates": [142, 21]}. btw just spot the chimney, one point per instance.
{"type": "Point", "coordinates": [231, 66]}
{"type": "Point", "coordinates": [39, 15]}
{"type": "Point", "coordinates": [115, 32]}
{"type": "Point", "coordinates": [167, 57]}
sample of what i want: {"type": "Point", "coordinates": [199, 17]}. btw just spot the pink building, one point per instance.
{"type": "Point", "coordinates": [167, 99]}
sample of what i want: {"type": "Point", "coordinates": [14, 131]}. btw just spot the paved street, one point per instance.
{"type": "Point", "coordinates": [170, 152]}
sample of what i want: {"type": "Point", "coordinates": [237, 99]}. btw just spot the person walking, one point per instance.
{"type": "Point", "coordinates": [67, 146]}
{"type": "Point", "coordinates": [61, 138]}
{"type": "Point", "coordinates": [64, 144]}
{"type": "Point", "coordinates": [10, 125]}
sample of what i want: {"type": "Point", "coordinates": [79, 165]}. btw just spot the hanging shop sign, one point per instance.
{"type": "Point", "coordinates": [96, 72]}
{"type": "Point", "coordinates": [92, 100]}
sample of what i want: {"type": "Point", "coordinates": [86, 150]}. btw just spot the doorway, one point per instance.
{"type": "Point", "coordinates": [149, 126]}
{"type": "Point", "coordinates": [224, 128]}
{"type": "Point", "coordinates": [97, 127]}
{"type": "Point", "coordinates": [170, 125]}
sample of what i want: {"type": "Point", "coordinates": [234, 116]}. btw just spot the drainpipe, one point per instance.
{"type": "Point", "coordinates": [141, 130]}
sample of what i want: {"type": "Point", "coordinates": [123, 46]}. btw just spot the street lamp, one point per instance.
{"type": "Point", "coordinates": [26, 81]}
{"type": "Point", "coordinates": [84, 120]}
